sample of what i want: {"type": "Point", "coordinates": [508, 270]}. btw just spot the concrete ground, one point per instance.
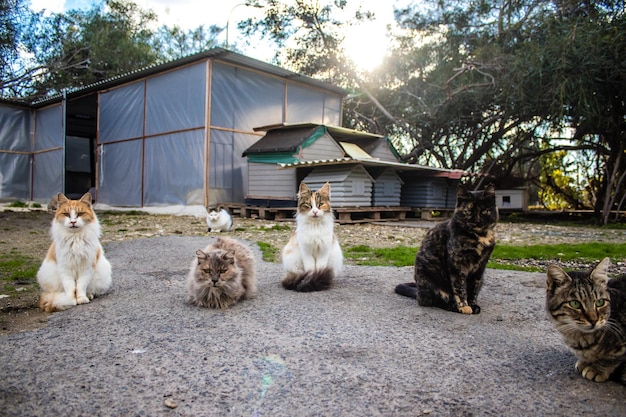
{"type": "Point", "coordinates": [356, 350]}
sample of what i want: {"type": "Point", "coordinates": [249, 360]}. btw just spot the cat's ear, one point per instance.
{"type": "Point", "coordinates": [600, 272]}
{"type": "Point", "coordinates": [229, 256]}
{"type": "Point", "coordinates": [61, 198]}
{"type": "Point", "coordinates": [304, 190]}
{"type": "Point", "coordinates": [462, 192]}
{"type": "Point", "coordinates": [86, 198]}
{"type": "Point", "coordinates": [556, 277]}
{"type": "Point", "coordinates": [201, 255]}
{"type": "Point", "coordinates": [325, 190]}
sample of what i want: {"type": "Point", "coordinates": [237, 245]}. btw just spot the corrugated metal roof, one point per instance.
{"type": "Point", "coordinates": [287, 137]}
{"type": "Point", "coordinates": [355, 151]}
{"type": "Point", "coordinates": [219, 54]}
{"type": "Point", "coordinates": [282, 140]}
{"type": "Point", "coordinates": [435, 172]}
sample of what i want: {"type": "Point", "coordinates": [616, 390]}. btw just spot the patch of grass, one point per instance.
{"type": "Point", "coordinates": [584, 252]}
{"type": "Point", "coordinates": [404, 255]}
{"type": "Point", "coordinates": [269, 252]}
{"type": "Point", "coordinates": [17, 203]}
{"type": "Point", "coordinates": [396, 256]}
{"type": "Point", "coordinates": [15, 267]}
{"type": "Point", "coordinates": [277, 227]}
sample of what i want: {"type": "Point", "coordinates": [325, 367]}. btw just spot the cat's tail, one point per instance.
{"type": "Point", "coordinates": [55, 301]}
{"type": "Point", "coordinates": [316, 280]}
{"type": "Point", "coordinates": [408, 289]}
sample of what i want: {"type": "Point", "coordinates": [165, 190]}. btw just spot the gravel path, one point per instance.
{"type": "Point", "coordinates": [356, 350]}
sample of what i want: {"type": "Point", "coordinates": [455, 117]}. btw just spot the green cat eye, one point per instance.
{"type": "Point", "coordinates": [574, 304]}
{"type": "Point", "coordinates": [600, 303]}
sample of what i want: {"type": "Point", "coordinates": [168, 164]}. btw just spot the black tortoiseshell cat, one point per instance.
{"type": "Point", "coordinates": [589, 310]}
{"type": "Point", "coordinates": [450, 263]}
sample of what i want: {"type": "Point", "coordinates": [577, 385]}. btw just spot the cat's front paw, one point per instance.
{"type": "Point", "coordinates": [475, 309]}
{"type": "Point", "coordinates": [591, 373]}
{"type": "Point", "coordinates": [82, 300]}
{"type": "Point", "coordinates": [466, 310]}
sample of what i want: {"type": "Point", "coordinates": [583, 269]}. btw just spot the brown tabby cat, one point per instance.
{"type": "Point", "coordinates": [450, 263]}
{"type": "Point", "coordinates": [223, 274]}
{"type": "Point", "coordinates": [589, 310]}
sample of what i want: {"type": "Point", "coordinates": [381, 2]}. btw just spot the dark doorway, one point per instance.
{"type": "Point", "coordinates": [80, 146]}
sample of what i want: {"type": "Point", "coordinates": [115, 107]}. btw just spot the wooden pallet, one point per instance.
{"type": "Point", "coordinates": [370, 214]}
{"type": "Point", "coordinates": [345, 215]}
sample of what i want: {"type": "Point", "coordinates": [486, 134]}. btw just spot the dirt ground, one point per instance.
{"type": "Point", "coordinates": [26, 233]}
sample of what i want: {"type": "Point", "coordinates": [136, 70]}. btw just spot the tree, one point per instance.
{"type": "Point", "coordinates": [174, 42]}
{"type": "Point", "coordinates": [13, 16]}
{"type": "Point", "coordinates": [493, 84]}
{"type": "Point", "coordinates": [307, 36]}
{"type": "Point", "coordinates": [82, 47]}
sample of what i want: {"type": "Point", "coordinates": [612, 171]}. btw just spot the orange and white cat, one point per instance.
{"type": "Point", "coordinates": [75, 269]}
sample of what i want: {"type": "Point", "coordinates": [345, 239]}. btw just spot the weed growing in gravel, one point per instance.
{"type": "Point", "coordinates": [17, 269]}
{"type": "Point", "coordinates": [17, 204]}
{"type": "Point", "coordinates": [269, 252]}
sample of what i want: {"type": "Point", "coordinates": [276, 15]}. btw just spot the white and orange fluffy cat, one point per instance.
{"type": "Point", "coordinates": [75, 269]}
{"type": "Point", "coordinates": [312, 257]}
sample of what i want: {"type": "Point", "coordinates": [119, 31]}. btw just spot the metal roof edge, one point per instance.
{"type": "Point", "coordinates": [444, 172]}
{"type": "Point", "coordinates": [219, 54]}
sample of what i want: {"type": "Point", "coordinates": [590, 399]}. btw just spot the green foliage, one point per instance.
{"type": "Point", "coordinates": [175, 42]}
{"type": "Point", "coordinates": [81, 47]}
{"type": "Point", "coordinates": [400, 256]}
{"type": "Point", "coordinates": [308, 36]}
{"type": "Point", "coordinates": [395, 256]}
{"type": "Point", "coordinates": [18, 204]}
{"type": "Point", "coordinates": [558, 188]}
{"type": "Point", "coordinates": [17, 268]}
{"type": "Point", "coordinates": [584, 252]}
{"type": "Point", "coordinates": [268, 251]}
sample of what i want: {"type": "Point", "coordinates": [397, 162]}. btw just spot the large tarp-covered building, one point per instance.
{"type": "Point", "coordinates": [171, 134]}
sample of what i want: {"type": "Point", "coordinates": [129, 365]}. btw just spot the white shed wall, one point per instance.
{"type": "Point", "coordinates": [267, 181]}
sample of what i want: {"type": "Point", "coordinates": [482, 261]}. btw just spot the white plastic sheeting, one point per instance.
{"type": "Point", "coordinates": [48, 157]}
{"type": "Point", "coordinates": [31, 166]}
{"type": "Point", "coordinates": [174, 169]}
{"type": "Point", "coordinates": [15, 145]}
{"type": "Point", "coordinates": [160, 135]}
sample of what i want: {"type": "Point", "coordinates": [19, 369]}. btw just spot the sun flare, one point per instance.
{"type": "Point", "coordinates": [366, 45]}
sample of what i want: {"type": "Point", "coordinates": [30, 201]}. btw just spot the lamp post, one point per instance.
{"type": "Point", "coordinates": [231, 13]}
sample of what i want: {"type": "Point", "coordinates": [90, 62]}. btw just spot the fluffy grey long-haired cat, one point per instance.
{"type": "Point", "coordinates": [312, 257]}
{"type": "Point", "coordinates": [452, 258]}
{"type": "Point", "coordinates": [223, 273]}
{"type": "Point", "coordinates": [589, 310]}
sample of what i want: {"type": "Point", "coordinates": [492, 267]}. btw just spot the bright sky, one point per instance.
{"type": "Point", "coordinates": [366, 44]}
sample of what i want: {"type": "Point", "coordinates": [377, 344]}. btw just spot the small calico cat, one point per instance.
{"type": "Point", "coordinates": [75, 269]}
{"type": "Point", "coordinates": [589, 310]}
{"type": "Point", "coordinates": [452, 258]}
{"type": "Point", "coordinates": [223, 274]}
{"type": "Point", "coordinates": [312, 257]}
{"type": "Point", "coordinates": [219, 221]}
